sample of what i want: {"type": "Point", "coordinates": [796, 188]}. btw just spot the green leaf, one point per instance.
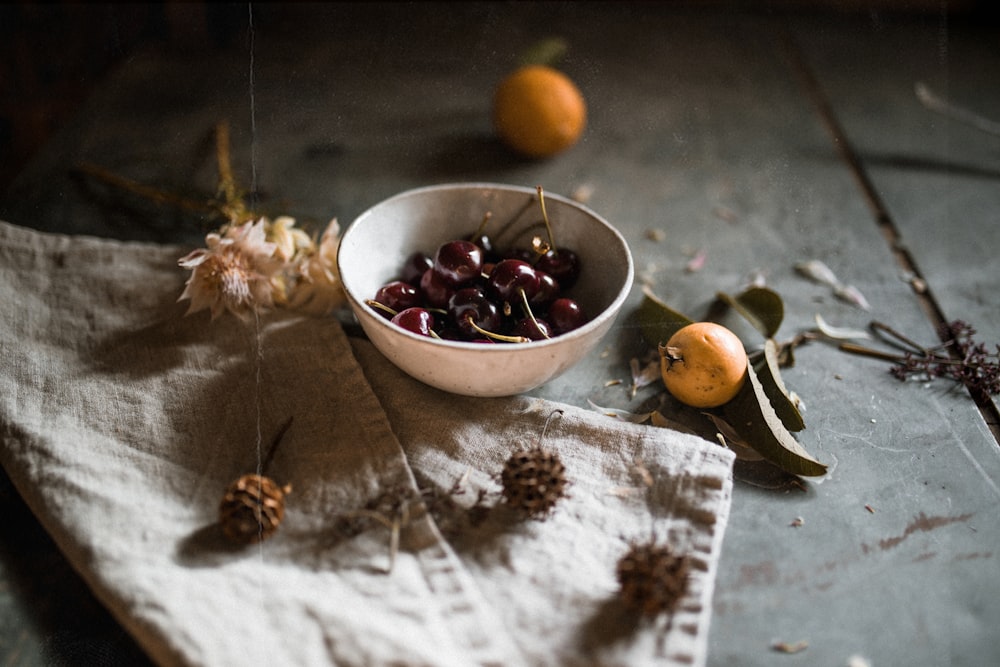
{"type": "Point", "coordinates": [657, 320]}
{"type": "Point", "coordinates": [751, 415]}
{"type": "Point", "coordinates": [760, 306]}
{"type": "Point", "coordinates": [547, 51]}
{"type": "Point", "coordinates": [769, 375]}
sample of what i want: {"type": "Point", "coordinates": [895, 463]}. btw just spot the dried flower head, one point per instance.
{"type": "Point", "coordinates": [317, 287]}
{"type": "Point", "coordinates": [252, 508]}
{"type": "Point", "coordinates": [234, 272]}
{"type": "Point", "coordinates": [290, 242]}
{"type": "Point", "coordinates": [652, 578]}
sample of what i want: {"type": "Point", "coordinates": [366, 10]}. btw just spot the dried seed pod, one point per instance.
{"type": "Point", "coordinates": [652, 578]}
{"type": "Point", "coordinates": [533, 481]}
{"type": "Point", "coordinates": [252, 508]}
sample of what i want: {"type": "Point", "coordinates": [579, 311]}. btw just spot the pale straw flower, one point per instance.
{"type": "Point", "coordinates": [234, 272]}
{"type": "Point", "coordinates": [318, 290]}
{"type": "Point", "coordinates": [290, 240]}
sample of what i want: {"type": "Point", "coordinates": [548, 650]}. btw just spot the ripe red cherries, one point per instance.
{"type": "Point", "coordinates": [469, 290]}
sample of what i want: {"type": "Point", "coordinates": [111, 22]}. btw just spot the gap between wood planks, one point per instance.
{"type": "Point", "coordinates": [925, 296]}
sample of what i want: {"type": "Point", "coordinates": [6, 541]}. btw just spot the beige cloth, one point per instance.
{"type": "Point", "coordinates": [122, 421]}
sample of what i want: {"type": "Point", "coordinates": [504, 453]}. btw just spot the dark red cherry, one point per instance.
{"type": "Point", "coordinates": [485, 244]}
{"type": "Point", "coordinates": [435, 290]}
{"type": "Point", "coordinates": [509, 278]}
{"type": "Point", "coordinates": [418, 320]}
{"type": "Point", "coordinates": [565, 315]}
{"type": "Point", "coordinates": [562, 264]}
{"type": "Point", "coordinates": [534, 329]}
{"type": "Point", "coordinates": [416, 264]}
{"type": "Point", "coordinates": [398, 295]}
{"type": "Point", "coordinates": [524, 254]}
{"type": "Point", "coordinates": [458, 262]}
{"type": "Point", "coordinates": [548, 291]}
{"type": "Point", "coordinates": [469, 306]}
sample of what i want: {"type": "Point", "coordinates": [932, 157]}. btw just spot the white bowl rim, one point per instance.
{"type": "Point", "coordinates": [595, 322]}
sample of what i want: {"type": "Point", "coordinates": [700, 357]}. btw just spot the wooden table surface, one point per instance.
{"type": "Point", "coordinates": [762, 138]}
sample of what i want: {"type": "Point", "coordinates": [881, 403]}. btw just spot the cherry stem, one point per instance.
{"type": "Point", "coordinates": [380, 306]}
{"type": "Point", "coordinates": [545, 217]}
{"type": "Point", "coordinates": [496, 336]}
{"type": "Point", "coordinates": [527, 310]}
{"type": "Point", "coordinates": [482, 225]}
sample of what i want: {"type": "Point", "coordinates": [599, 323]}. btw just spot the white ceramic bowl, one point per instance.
{"type": "Point", "coordinates": [375, 246]}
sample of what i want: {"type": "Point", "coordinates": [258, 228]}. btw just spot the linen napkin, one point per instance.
{"type": "Point", "coordinates": [554, 581]}
{"type": "Point", "coordinates": [122, 422]}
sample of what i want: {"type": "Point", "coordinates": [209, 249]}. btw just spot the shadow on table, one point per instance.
{"type": "Point", "coordinates": [59, 621]}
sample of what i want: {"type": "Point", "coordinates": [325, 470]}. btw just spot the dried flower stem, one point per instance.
{"type": "Point", "coordinates": [153, 194]}
{"type": "Point", "coordinates": [885, 328]}
{"type": "Point", "coordinates": [232, 204]}
{"type": "Point", "coordinates": [865, 351]}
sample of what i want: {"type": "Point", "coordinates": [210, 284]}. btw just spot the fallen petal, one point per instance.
{"type": "Point", "coordinates": [840, 333]}
{"type": "Point", "coordinates": [818, 271]}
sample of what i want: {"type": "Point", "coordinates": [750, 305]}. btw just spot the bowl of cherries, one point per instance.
{"type": "Point", "coordinates": [482, 289]}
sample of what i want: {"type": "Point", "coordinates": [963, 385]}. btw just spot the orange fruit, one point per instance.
{"type": "Point", "coordinates": [538, 111]}
{"type": "Point", "coordinates": [703, 365]}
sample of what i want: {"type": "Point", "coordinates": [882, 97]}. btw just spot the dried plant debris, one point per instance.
{"type": "Point", "coordinates": [939, 104]}
{"type": "Point", "coordinates": [392, 509]}
{"type": "Point", "coordinates": [790, 647]}
{"type": "Point", "coordinates": [960, 357]}
{"type": "Point", "coordinates": [652, 578]}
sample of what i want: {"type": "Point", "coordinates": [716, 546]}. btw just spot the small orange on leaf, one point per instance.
{"type": "Point", "coordinates": [703, 365]}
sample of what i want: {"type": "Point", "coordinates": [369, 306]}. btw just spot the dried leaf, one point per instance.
{"type": "Point", "coordinates": [624, 415]}
{"type": "Point", "coordinates": [643, 376]}
{"type": "Point", "coordinates": [840, 333]}
{"type": "Point", "coordinates": [762, 307]}
{"type": "Point", "coordinates": [657, 320]}
{"type": "Point", "coordinates": [769, 375]}
{"type": "Point", "coordinates": [656, 418]}
{"type": "Point", "coordinates": [753, 417]}
{"type": "Point", "coordinates": [733, 440]}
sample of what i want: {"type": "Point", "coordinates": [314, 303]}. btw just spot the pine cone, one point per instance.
{"type": "Point", "coordinates": [533, 481]}
{"type": "Point", "coordinates": [652, 578]}
{"type": "Point", "coordinates": [252, 508]}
